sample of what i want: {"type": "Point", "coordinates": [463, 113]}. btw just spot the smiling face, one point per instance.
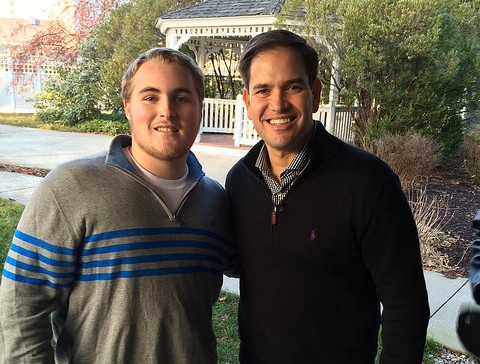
{"type": "Point", "coordinates": [280, 100]}
{"type": "Point", "coordinates": [164, 111]}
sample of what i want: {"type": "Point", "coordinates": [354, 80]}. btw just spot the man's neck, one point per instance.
{"type": "Point", "coordinates": [279, 161]}
{"type": "Point", "coordinates": [170, 169]}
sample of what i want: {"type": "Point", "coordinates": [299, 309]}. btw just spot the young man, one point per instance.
{"type": "Point", "coordinates": [325, 234]}
{"type": "Point", "coordinates": [124, 251]}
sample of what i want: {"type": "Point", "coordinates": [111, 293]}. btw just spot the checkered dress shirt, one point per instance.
{"type": "Point", "coordinates": [287, 177]}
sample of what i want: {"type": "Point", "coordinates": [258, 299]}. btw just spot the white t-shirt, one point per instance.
{"type": "Point", "coordinates": [170, 190]}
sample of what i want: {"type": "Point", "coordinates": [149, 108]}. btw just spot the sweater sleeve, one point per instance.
{"type": "Point", "coordinates": [392, 253]}
{"type": "Point", "coordinates": [36, 280]}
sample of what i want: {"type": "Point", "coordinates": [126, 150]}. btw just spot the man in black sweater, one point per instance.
{"type": "Point", "coordinates": [325, 233]}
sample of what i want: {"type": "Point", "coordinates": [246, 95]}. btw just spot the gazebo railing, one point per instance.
{"type": "Point", "coordinates": [230, 116]}
{"type": "Point", "coordinates": [218, 116]}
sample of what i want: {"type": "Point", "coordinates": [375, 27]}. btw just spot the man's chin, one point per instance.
{"type": "Point", "coordinates": [171, 155]}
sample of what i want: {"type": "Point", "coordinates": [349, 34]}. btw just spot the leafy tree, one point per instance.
{"type": "Point", "coordinates": [59, 40]}
{"type": "Point", "coordinates": [90, 87]}
{"type": "Point", "coordinates": [129, 31]}
{"type": "Point", "coordinates": [410, 65]}
{"type": "Point", "coordinates": [71, 95]}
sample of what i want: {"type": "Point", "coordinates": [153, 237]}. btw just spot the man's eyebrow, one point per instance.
{"type": "Point", "coordinates": [294, 80]}
{"type": "Point", "coordinates": [286, 83]}
{"type": "Point", "coordinates": [260, 85]}
{"type": "Point", "coordinates": [156, 90]}
{"type": "Point", "coordinates": [149, 89]}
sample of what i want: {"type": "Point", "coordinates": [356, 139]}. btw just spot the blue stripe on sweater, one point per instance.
{"type": "Point", "coordinates": [146, 273]}
{"type": "Point", "coordinates": [34, 281]}
{"type": "Point", "coordinates": [72, 255]}
{"type": "Point", "coordinates": [152, 245]}
{"type": "Point", "coordinates": [113, 275]}
{"type": "Point", "coordinates": [36, 269]}
{"type": "Point", "coordinates": [43, 244]}
{"type": "Point", "coordinates": [153, 231]}
{"type": "Point", "coordinates": [149, 259]}
{"type": "Point", "coordinates": [40, 257]}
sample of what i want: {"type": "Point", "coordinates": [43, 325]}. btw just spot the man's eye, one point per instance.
{"type": "Point", "coordinates": [262, 92]}
{"type": "Point", "coordinates": [293, 89]}
{"type": "Point", "coordinates": [150, 98]}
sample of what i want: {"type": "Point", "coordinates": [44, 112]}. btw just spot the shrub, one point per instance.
{"type": "Point", "coordinates": [431, 214]}
{"type": "Point", "coordinates": [412, 156]}
{"type": "Point", "coordinates": [471, 146]}
{"type": "Point", "coordinates": [110, 127]}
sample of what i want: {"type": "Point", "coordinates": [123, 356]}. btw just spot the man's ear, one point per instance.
{"type": "Point", "coordinates": [126, 107]}
{"type": "Point", "coordinates": [316, 93]}
{"type": "Point", "coordinates": [246, 100]}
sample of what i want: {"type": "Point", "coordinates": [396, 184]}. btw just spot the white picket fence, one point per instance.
{"type": "Point", "coordinates": [229, 116]}
{"type": "Point", "coordinates": [218, 116]}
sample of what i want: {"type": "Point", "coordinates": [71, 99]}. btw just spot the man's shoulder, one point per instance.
{"type": "Point", "coordinates": [77, 167]}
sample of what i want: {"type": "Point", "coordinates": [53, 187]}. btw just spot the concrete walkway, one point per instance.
{"type": "Point", "coordinates": [46, 149]}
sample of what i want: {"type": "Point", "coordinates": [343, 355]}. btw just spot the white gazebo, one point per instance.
{"type": "Point", "coordinates": [211, 25]}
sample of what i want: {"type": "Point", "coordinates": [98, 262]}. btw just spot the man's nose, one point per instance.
{"type": "Point", "coordinates": [278, 101]}
{"type": "Point", "coordinates": [166, 108]}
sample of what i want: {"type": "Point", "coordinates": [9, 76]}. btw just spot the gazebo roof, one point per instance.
{"type": "Point", "coordinates": [211, 25]}
{"type": "Point", "coordinates": [226, 8]}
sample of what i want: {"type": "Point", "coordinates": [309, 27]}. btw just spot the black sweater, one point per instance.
{"type": "Point", "coordinates": [344, 242]}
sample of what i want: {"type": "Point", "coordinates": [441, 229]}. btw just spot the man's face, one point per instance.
{"type": "Point", "coordinates": [280, 100]}
{"type": "Point", "coordinates": [164, 112]}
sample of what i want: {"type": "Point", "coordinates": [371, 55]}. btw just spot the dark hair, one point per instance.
{"type": "Point", "coordinates": [163, 56]}
{"type": "Point", "coordinates": [274, 39]}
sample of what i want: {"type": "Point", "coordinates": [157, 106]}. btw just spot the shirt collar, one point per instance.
{"type": "Point", "coordinates": [297, 164]}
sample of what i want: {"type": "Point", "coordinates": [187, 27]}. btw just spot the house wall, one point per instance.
{"type": "Point", "coordinates": [29, 16]}
{"type": "Point", "coordinates": [18, 96]}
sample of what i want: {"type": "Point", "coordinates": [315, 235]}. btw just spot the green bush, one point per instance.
{"type": "Point", "coordinates": [413, 64]}
{"type": "Point", "coordinates": [110, 127]}
{"type": "Point", "coordinates": [72, 94]}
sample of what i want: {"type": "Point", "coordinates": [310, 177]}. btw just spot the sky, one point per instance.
{"type": "Point", "coordinates": [26, 9]}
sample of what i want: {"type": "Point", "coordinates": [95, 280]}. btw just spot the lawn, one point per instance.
{"type": "Point", "coordinates": [9, 215]}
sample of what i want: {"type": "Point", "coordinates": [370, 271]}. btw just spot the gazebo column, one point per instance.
{"type": "Point", "coordinates": [201, 54]}
{"type": "Point", "coordinates": [172, 40]}
{"type": "Point", "coordinates": [333, 96]}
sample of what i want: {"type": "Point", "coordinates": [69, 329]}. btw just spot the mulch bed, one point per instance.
{"type": "Point", "coordinates": [39, 172]}
{"type": "Point", "coordinates": [461, 191]}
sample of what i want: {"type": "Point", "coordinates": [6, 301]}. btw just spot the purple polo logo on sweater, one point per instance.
{"type": "Point", "coordinates": [313, 235]}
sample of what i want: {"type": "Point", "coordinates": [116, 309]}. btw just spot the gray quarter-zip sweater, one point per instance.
{"type": "Point", "coordinates": [123, 280]}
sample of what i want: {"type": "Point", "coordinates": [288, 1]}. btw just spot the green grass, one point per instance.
{"type": "Point", "coordinates": [225, 327]}
{"type": "Point", "coordinates": [10, 212]}
{"type": "Point", "coordinates": [30, 121]}
{"type": "Point", "coordinates": [103, 126]}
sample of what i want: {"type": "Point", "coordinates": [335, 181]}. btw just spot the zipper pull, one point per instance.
{"type": "Point", "coordinates": [274, 215]}
{"type": "Point", "coordinates": [175, 221]}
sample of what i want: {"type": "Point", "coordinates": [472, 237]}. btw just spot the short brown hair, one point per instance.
{"type": "Point", "coordinates": [274, 39]}
{"type": "Point", "coordinates": [166, 56]}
